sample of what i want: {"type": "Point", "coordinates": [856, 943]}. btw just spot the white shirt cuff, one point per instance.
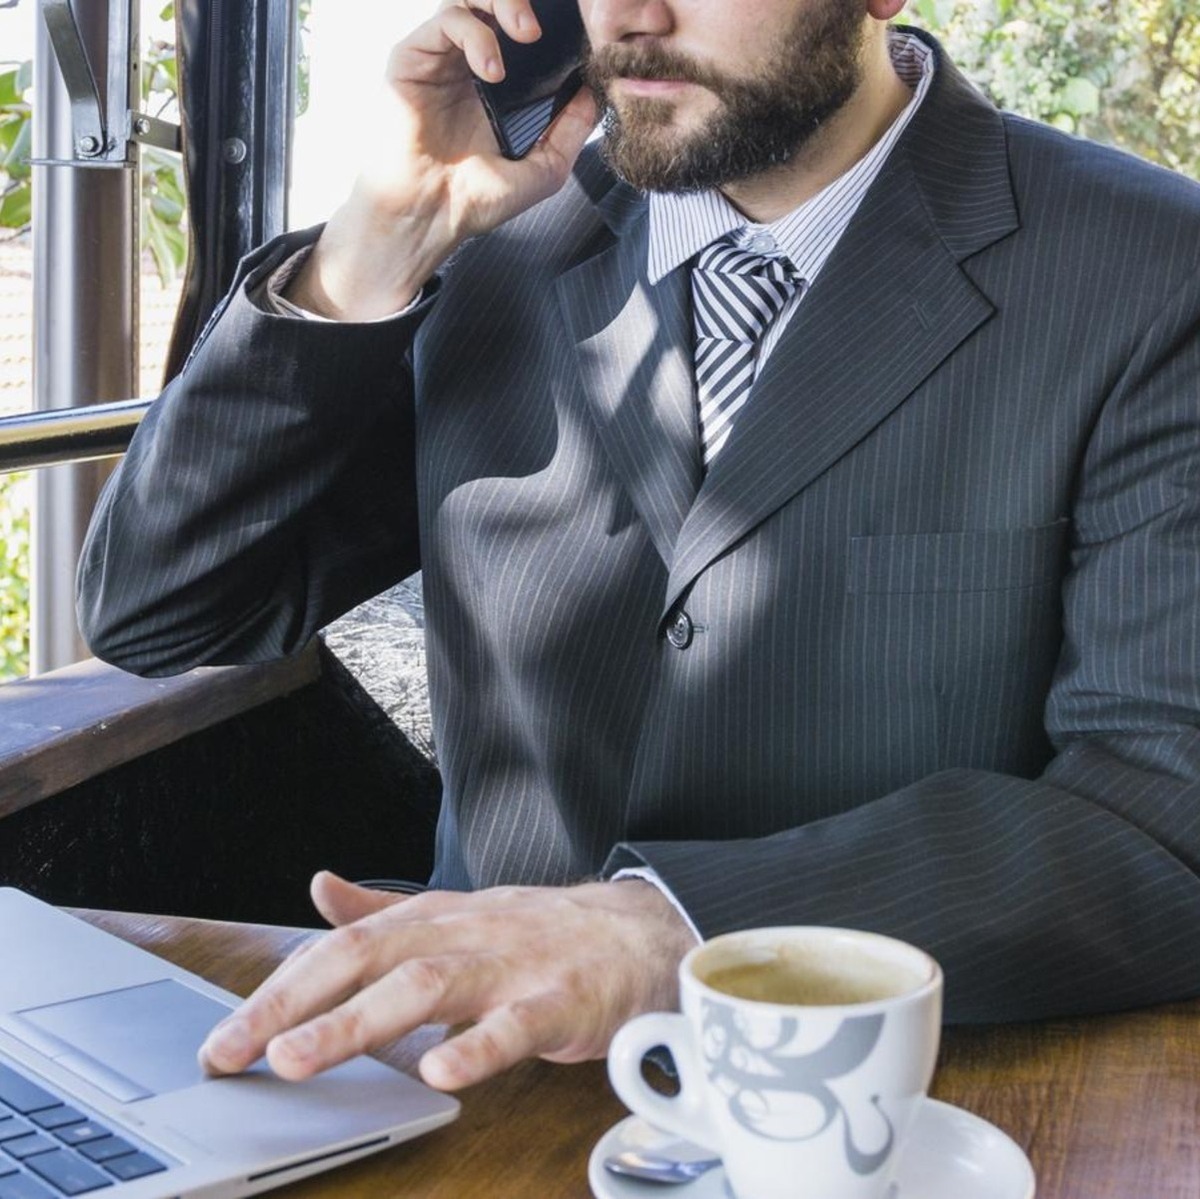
{"type": "Point", "coordinates": [651, 876]}
{"type": "Point", "coordinates": [275, 302]}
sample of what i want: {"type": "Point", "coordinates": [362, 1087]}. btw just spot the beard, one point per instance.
{"type": "Point", "coordinates": [762, 120]}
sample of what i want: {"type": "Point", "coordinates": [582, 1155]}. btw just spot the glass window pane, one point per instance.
{"type": "Point", "coordinates": [164, 242]}
{"type": "Point", "coordinates": [345, 47]}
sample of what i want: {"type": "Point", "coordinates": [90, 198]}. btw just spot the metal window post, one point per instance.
{"type": "Point", "coordinates": [237, 75]}
{"type": "Point", "coordinates": [85, 297]}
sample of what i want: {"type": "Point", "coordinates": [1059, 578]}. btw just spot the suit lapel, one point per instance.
{"type": "Point", "coordinates": [635, 358]}
{"type": "Point", "coordinates": [890, 305]}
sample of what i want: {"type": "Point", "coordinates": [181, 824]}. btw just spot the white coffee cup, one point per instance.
{"type": "Point", "coordinates": [803, 1053]}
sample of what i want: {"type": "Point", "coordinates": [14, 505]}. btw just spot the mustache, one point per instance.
{"type": "Point", "coordinates": [648, 60]}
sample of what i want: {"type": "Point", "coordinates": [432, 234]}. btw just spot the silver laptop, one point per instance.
{"type": "Point", "coordinates": [100, 1092]}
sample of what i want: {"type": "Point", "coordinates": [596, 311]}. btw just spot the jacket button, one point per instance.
{"type": "Point", "coordinates": [680, 630]}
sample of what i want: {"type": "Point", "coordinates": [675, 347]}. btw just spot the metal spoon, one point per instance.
{"type": "Point", "coordinates": [652, 1167]}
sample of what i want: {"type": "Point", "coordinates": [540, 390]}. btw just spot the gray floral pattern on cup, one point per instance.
{"type": "Point", "coordinates": [726, 1047]}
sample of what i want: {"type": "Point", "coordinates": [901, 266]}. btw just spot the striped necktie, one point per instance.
{"type": "Point", "coordinates": [735, 297]}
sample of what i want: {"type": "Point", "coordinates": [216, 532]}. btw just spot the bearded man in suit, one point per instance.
{"type": "Point", "coordinates": [902, 636]}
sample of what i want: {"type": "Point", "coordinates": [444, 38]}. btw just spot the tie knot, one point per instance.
{"type": "Point", "coordinates": [738, 294]}
{"type": "Point", "coordinates": [724, 258]}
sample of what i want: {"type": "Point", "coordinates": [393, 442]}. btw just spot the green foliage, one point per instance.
{"type": "Point", "coordinates": [15, 80]}
{"type": "Point", "coordinates": [163, 209]}
{"type": "Point", "coordinates": [1125, 72]}
{"type": "Point", "coordinates": [14, 579]}
{"type": "Point", "coordinates": [303, 12]}
{"type": "Point", "coordinates": [164, 204]}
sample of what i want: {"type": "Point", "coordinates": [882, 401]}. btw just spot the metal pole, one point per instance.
{"type": "Point", "coordinates": [85, 297]}
{"type": "Point", "coordinates": [68, 434]}
{"type": "Point", "coordinates": [237, 83]}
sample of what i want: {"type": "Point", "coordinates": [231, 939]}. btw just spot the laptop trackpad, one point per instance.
{"type": "Point", "coordinates": [132, 1043]}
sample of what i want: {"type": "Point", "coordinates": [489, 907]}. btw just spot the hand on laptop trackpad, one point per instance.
{"type": "Point", "coordinates": [133, 1043]}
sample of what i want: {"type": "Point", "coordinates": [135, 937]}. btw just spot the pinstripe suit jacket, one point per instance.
{"type": "Point", "coordinates": [944, 675]}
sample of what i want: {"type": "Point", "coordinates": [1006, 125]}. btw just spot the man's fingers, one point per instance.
{"type": "Point", "coordinates": [549, 163]}
{"type": "Point", "coordinates": [476, 40]}
{"type": "Point", "coordinates": [538, 1025]}
{"type": "Point", "coordinates": [468, 29]}
{"type": "Point", "coordinates": [515, 17]}
{"type": "Point", "coordinates": [420, 991]}
{"type": "Point", "coordinates": [341, 902]}
{"type": "Point", "coordinates": [511, 959]}
{"type": "Point", "coordinates": [324, 974]}
{"type": "Point", "coordinates": [568, 134]}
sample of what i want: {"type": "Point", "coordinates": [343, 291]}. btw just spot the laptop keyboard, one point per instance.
{"type": "Point", "coordinates": [49, 1148]}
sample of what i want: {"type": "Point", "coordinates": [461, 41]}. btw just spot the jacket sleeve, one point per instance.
{"type": "Point", "coordinates": [268, 489]}
{"type": "Point", "coordinates": [1078, 890]}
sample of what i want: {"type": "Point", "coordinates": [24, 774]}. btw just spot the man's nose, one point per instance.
{"type": "Point", "coordinates": [625, 20]}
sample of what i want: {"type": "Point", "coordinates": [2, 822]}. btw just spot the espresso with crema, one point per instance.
{"type": "Point", "coordinates": [795, 976]}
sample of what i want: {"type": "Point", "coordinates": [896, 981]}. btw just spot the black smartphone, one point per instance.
{"type": "Point", "coordinates": [540, 77]}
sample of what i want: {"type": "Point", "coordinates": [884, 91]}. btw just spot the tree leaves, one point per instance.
{"type": "Point", "coordinates": [164, 206]}
{"type": "Point", "coordinates": [1125, 72]}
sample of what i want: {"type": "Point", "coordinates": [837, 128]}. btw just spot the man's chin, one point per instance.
{"type": "Point", "coordinates": [657, 128]}
{"type": "Point", "coordinates": [649, 142]}
{"type": "Point", "coordinates": [645, 167]}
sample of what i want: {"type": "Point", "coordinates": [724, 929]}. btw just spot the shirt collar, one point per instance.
{"type": "Point", "coordinates": [682, 224]}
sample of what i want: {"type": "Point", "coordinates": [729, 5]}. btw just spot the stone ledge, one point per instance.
{"type": "Point", "coordinates": [382, 644]}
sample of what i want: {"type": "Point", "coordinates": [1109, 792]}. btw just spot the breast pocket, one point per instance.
{"type": "Point", "coordinates": [962, 632]}
{"type": "Point", "coordinates": [973, 560]}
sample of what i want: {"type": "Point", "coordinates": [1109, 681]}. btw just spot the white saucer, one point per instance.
{"type": "Point", "coordinates": [951, 1154]}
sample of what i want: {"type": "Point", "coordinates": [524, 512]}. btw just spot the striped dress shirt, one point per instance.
{"type": "Point", "coordinates": [681, 225]}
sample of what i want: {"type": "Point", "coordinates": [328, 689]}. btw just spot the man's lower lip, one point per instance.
{"type": "Point", "coordinates": [652, 87]}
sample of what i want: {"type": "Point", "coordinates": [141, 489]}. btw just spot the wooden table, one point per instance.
{"type": "Point", "coordinates": [1106, 1107]}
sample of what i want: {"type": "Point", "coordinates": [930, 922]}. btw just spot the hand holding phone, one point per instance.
{"type": "Point", "coordinates": [434, 178]}
{"type": "Point", "coordinates": [540, 77]}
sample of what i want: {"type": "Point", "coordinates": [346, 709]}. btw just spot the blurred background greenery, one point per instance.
{"type": "Point", "coordinates": [1124, 72]}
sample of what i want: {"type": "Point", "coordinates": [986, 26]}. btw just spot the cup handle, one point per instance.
{"type": "Point", "coordinates": [685, 1113]}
